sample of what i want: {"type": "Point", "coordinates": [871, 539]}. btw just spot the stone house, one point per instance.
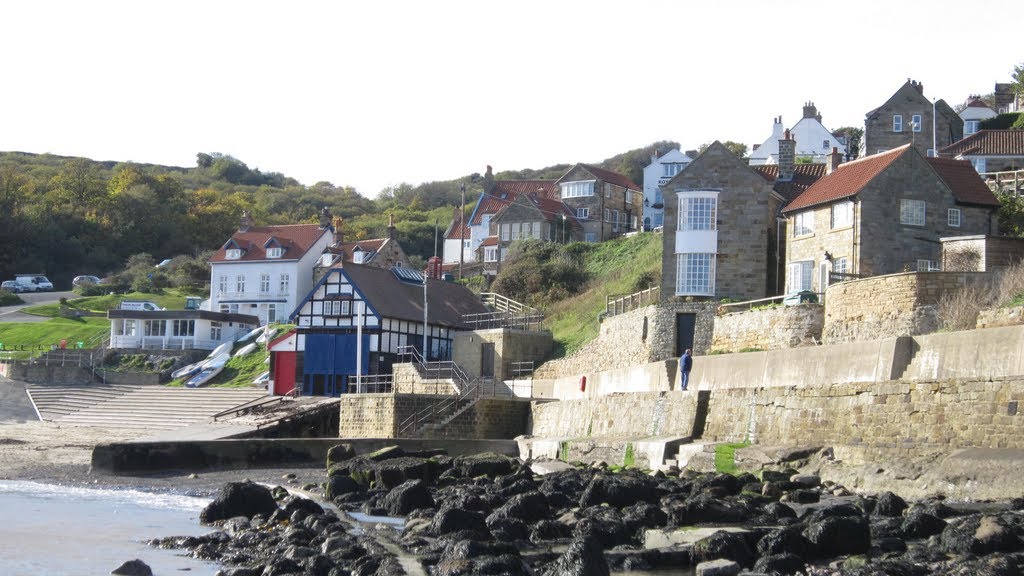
{"type": "Point", "coordinates": [384, 252]}
{"type": "Point", "coordinates": [606, 204]}
{"type": "Point", "coordinates": [883, 214]}
{"type": "Point", "coordinates": [907, 118]}
{"type": "Point", "coordinates": [814, 142]}
{"type": "Point", "coordinates": [989, 150]}
{"type": "Point", "coordinates": [527, 216]}
{"type": "Point", "coordinates": [656, 174]}
{"type": "Point", "coordinates": [466, 235]}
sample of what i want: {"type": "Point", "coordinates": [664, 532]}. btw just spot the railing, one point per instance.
{"type": "Point", "coordinates": [504, 313]}
{"type": "Point", "coordinates": [621, 303]}
{"type": "Point", "coordinates": [834, 277]}
{"type": "Point", "coordinates": [370, 384]}
{"type": "Point", "coordinates": [247, 406]}
{"type": "Point", "coordinates": [1005, 182]}
{"type": "Point", "coordinates": [749, 304]}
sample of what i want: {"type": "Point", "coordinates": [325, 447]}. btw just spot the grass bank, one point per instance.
{"type": "Point", "coordinates": [26, 337]}
{"type": "Point", "coordinates": [170, 299]}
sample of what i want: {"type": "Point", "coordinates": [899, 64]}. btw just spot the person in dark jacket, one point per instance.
{"type": "Point", "coordinates": [685, 365]}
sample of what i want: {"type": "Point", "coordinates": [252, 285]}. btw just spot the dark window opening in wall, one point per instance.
{"type": "Point", "coordinates": [643, 334]}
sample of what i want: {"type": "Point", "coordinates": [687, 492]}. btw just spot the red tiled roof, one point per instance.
{"type": "Point", "coordinates": [978, 103]}
{"type": "Point", "coordinates": [553, 210]}
{"type": "Point", "coordinates": [371, 245]}
{"type": "Point", "coordinates": [609, 176]}
{"type": "Point", "coordinates": [456, 228]}
{"type": "Point", "coordinates": [988, 143]}
{"type": "Point", "coordinates": [804, 175]}
{"type": "Point", "coordinates": [846, 180]}
{"type": "Point", "coordinates": [505, 191]}
{"type": "Point", "coordinates": [964, 181]}
{"type": "Point", "coordinates": [296, 239]}
{"type": "Point", "coordinates": [490, 241]}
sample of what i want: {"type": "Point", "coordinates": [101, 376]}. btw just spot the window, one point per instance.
{"type": "Point", "coordinates": [698, 212]}
{"type": "Point", "coordinates": [798, 275]}
{"type": "Point", "coordinates": [590, 237]}
{"type": "Point", "coordinates": [506, 231]}
{"type": "Point", "coordinates": [607, 189]}
{"type": "Point", "coordinates": [577, 189]}
{"type": "Point", "coordinates": [953, 217]}
{"type": "Point", "coordinates": [285, 282]}
{"type": "Point", "coordinates": [825, 145]}
{"type": "Point", "coordinates": [912, 212]}
{"type": "Point", "coordinates": [670, 170]}
{"type": "Point", "coordinates": [337, 307]}
{"type": "Point", "coordinates": [184, 328]}
{"type": "Point", "coordinates": [155, 328]}
{"type": "Point", "coordinates": [215, 331]}
{"type": "Point", "coordinates": [803, 223]}
{"type": "Point", "coordinates": [129, 327]}
{"type": "Point", "coordinates": [915, 122]}
{"type": "Point", "coordinates": [930, 153]}
{"type": "Point", "coordinates": [264, 282]}
{"type": "Point", "coordinates": [490, 254]}
{"type": "Point", "coordinates": [970, 127]}
{"type": "Point", "coordinates": [467, 244]}
{"type": "Point", "coordinates": [842, 214]}
{"type": "Point", "coordinates": [607, 214]}
{"type": "Point", "coordinates": [275, 252]}
{"type": "Point", "coordinates": [897, 123]}
{"type": "Point", "coordinates": [928, 266]}
{"type": "Point", "coordinates": [515, 230]}
{"type": "Point", "coordinates": [629, 196]}
{"type": "Point", "coordinates": [223, 284]}
{"type": "Point", "coordinates": [615, 219]}
{"type": "Point", "coordinates": [695, 274]}
{"type": "Point", "coordinates": [271, 313]}
{"type": "Point", "coordinates": [229, 308]}
{"type": "Point", "coordinates": [583, 212]}
{"type": "Point", "coordinates": [841, 265]}
{"type": "Point", "coordinates": [536, 230]}
{"type": "Point", "coordinates": [240, 283]}
{"type": "Point", "coordinates": [232, 254]}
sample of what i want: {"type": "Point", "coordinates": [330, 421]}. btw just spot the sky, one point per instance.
{"type": "Point", "coordinates": [371, 94]}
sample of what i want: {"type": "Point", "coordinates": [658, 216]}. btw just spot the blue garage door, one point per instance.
{"type": "Point", "coordinates": [329, 360]}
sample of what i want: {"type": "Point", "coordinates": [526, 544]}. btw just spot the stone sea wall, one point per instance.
{"type": "Point", "coordinates": [638, 414]}
{"type": "Point", "coordinates": [769, 329]}
{"type": "Point", "coordinates": [409, 415]}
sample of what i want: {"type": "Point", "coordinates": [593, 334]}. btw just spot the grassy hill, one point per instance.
{"type": "Point", "coordinates": [620, 266]}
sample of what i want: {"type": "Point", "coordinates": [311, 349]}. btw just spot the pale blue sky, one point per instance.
{"type": "Point", "coordinates": [371, 94]}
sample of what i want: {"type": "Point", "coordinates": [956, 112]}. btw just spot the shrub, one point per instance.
{"type": "Point", "coordinates": [958, 309]}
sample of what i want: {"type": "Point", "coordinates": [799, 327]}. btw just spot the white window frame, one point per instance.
{"type": "Point", "coordinates": [275, 252]}
{"type": "Point", "coordinates": [264, 283]}
{"type": "Point", "coordinates": [800, 276]}
{"type": "Point", "coordinates": [506, 231]}
{"type": "Point", "coordinates": [698, 212]}
{"type": "Point", "coordinates": [803, 223]}
{"type": "Point", "coordinates": [181, 328]}
{"type": "Point", "coordinates": [695, 274]}
{"type": "Point", "coordinates": [583, 212]}
{"type": "Point", "coordinates": [223, 283]}
{"type": "Point", "coordinates": [590, 237]}
{"type": "Point", "coordinates": [912, 212]}
{"type": "Point", "coordinates": [842, 214]}
{"type": "Point", "coordinates": [285, 282]}
{"type": "Point", "coordinates": [577, 189]}
{"type": "Point", "coordinates": [615, 219]}
{"type": "Point", "coordinates": [953, 217]}
{"type": "Point", "coordinates": [232, 253]}
{"type": "Point", "coordinates": [915, 122]}
{"type": "Point", "coordinates": [971, 127]}
{"type": "Point", "coordinates": [897, 122]}
{"type": "Point", "coordinates": [629, 196]}
{"type": "Point", "coordinates": [240, 283]}
{"type": "Point", "coordinates": [928, 266]}
{"type": "Point", "coordinates": [490, 253]}
{"type": "Point", "coordinates": [841, 265]}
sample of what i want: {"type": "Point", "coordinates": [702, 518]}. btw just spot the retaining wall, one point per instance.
{"type": "Point", "coordinates": [639, 414]}
{"type": "Point", "coordinates": [769, 329]}
{"type": "Point", "coordinates": [384, 415]}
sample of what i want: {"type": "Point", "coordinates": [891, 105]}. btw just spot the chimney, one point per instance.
{"type": "Point", "coordinates": [918, 85]}
{"type": "Point", "coordinates": [488, 180]}
{"type": "Point", "coordinates": [787, 157]}
{"type": "Point", "coordinates": [834, 159]}
{"type": "Point", "coordinates": [392, 233]}
{"type": "Point", "coordinates": [339, 232]}
{"type": "Point", "coordinates": [325, 218]}
{"type": "Point", "coordinates": [810, 111]}
{"type": "Point", "coordinates": [246, 222]}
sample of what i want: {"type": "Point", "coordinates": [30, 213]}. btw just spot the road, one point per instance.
{"type": "Point", "coordinates": [14, 313]}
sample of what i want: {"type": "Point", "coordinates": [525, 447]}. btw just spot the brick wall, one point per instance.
{"type": "Point", "coordinates": [893, 305]}
{"type": "Point", "coordinates": [769, 329]}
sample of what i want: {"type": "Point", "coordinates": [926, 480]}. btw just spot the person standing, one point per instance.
{"type": "Point", "coordinates": [685, 365]}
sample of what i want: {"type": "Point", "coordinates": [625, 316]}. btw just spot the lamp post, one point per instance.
{"type": "Point", "coordinates": [562, 236]}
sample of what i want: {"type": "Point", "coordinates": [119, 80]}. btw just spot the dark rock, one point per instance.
{"type": "Point", "coordinates": [890, 544]}
{"type": "Point", "coordinates": [723, 545]}
{"type": "Point", "coordinates": [920, 524]}
{"type": "Point", "coordinates": [508, 529]}
{"type": "Point", "coordinates": [133, 568]}
{"type": "Point", "coordinates": [319, 565]}
{"type": "Point", "coordinates": [834, 511]}
{"type": "Point", "coordinates": [787, 540]}
{"type": "Point", "coordinates": [806, 480]}
{"type": "Point", "coordinates": [528, 507]}
{"type": "Point", "coordinates": [394, 471]}
{"type": "Point", "coordinates": [504, 564]}
{"type": "Point", "coordinates": [294, 503]}
{"type": "Point", "coordinates": [702, 509]}
{"type": "Point", "coordinates": [644, 515]}
{"type": "Point", "coordinates": [449, 519]}
{"type": "Point", "coordinates": [889, 504]}
{"type": "Point", "coordinates": [780, 564]}
{"type": "Point", "coordinates": [606, 525]}
{"type": "Point", "coordinates": [619, 490]}
{"type": "Point", "coordinates": [485, 464]}
{"type": "Point", "coordinates": [983, 535]}
{"type": "Point", "coordinates": [776, 475]}
{"type": "Point", "coordinates": [385, 453]}
{"type": "Point", "coordinates": [407, 497]}
{"type": "Point", "coordinates": [339, 453]}
{"type": "Point", "coordinates": [775, 511]}
{"type": "Point", "coordinates": [727, 482]}
{"type": "Point", "coordinates": [838, 535]}
{"type": "Point", "coordinates": [802, 496]}
{"type": "Point", "coordinates": [547, 530]}
{"type": "Point", "coordinates": [520, 486]}
{"type": "Point", "coordinates": [239, 499]}
{"type": "Point", "coordinates": [585, 557]}
{"type": "Point", "coordinates": [280, 566]}
{"type": "Point", "coordinates": [719, 567]}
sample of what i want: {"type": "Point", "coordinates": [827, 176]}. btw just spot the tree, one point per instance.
{"type": "Point", "coordinates": [1017, 84]}
{"type": "Point", "coordinates": [1011, 214]}
{"type": "Point", "coordinates": [734, 147]}
{"type": "Point", "coordinates": [852, 136]}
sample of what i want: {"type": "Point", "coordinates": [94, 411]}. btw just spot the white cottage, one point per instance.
{"type": "Point", "coordinates": [814, 142]}
{"type": "Point", "coordinates": [657, 173]}
{"type": "Point", "coordinates": [176, 329]}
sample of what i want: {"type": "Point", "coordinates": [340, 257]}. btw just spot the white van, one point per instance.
{"type": "Point", "coordinates": [139, 305]}
{"type": "Point", "coordinates": [33, 283]}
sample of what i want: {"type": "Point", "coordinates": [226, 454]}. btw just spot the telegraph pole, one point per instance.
{"type": "Point", "coordinates": [462, 228]}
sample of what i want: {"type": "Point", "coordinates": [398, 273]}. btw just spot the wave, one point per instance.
{"type": "Point", "coordinates": [153, 500]}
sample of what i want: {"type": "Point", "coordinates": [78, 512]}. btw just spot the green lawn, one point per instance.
{"type": "Point", "coordinates": [170, 299]}
{"type": "Point", "coordinates": [40, 335]}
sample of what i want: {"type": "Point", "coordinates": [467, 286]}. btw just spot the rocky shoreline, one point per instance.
{"type": "Point", "coordinates": [490, 514]}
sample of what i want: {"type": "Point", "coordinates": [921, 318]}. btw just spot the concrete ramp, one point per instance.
{"type": "Point", "coordinates": [137, 407]}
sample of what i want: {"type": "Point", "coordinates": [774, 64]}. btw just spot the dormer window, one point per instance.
{"type": "Point", "coordinates": [275, 252]}
{"type": "Point", "coordinates": [327, 259]}
{"type": "Point", "coordinates": [233, 253]}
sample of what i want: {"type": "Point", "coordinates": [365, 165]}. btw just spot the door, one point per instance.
{"type": "Point", "coordinates": [487, 360]}
{"type": "Point", "coordinates": [686, 325]}
{"type": "Point", "coordinates": [329, 359]}
{"type": "Point", "coordinates": [284, 372]}
{"type": "Point", "coordinates": [822, 278]}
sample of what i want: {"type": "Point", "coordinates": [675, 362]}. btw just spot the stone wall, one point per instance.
{"type": "Point", "coordinates": [367, 416]}
{"type": "Point", "coordinates": [769, 329]}
{"type": "Point", "coordinates": [492, 418]}
{"type": "Point", "coordinates": [510, 346]}
{"type": "Point", "coordinates": [903, 304]}
{"type": "Point", "coordinates": [981, 253]}
{"type": "Point", "coordinates": [638, 414]}
{"type": "Point", "coordinates": [390, 416]}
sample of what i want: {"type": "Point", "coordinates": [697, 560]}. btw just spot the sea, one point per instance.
{"type": "Point", "coordinates": [48, 529]}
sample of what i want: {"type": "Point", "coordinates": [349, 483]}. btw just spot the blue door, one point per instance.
{"type": "Point", "coordinates": [329, 360]}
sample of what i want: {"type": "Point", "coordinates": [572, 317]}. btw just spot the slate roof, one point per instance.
{"type": "Point", "coordinates": [850, 178]}
{"type": "Point", "coordinates": [804, 175]}
{"type": "Point", "coordinates": [988, 143]}
{"type": "Point", "coordinates": [296, 239]}
{"type": "Point", "coordinates": [346, 248]}
{"type": "Point", "coordinates": [393, 298]}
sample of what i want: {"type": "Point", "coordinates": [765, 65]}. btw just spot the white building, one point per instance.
{"type": "Point", "coordinates": [814, 142]}
{"type": "Point", "coordinates": [973, 113]}
{"type": "Point", "coordinates": [176, 329]}
{"type": "Point", "coordinates": [265, 271]}
{"type": "Point", "coordinates": [658, 172]}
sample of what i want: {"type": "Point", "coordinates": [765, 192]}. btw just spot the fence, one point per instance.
{"type": "Point", "coordinates": [622, 303]}
{"type": "Point", "coordinates": [1010, 182]}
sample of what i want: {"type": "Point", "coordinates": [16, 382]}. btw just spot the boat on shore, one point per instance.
{"type": "Point", "coordinates": [186, 371]}
{"type": "Point", "coordinates": [249, 335]}
{"type": "Point", "coordinates": [209, 371]}
{"type": "Point", "coordinates": [245, 349]}
{"type": "Point", "coordinates": [224, 348]}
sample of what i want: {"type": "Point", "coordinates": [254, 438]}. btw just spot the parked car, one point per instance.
{"type": "Point", "coordinates": [33, 283]}
{"type": "Point", "coordinates": [139, 305]}
{"type": "Point", "coordinates": [86, 280]}
{"type": "Point", "coordinates": [11, 286]}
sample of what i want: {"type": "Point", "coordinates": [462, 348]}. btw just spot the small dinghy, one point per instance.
{"type": "Point", "coordinates": [209, 371]}
{"type": "Point", "coordinates": [262, 379]}
{"type": "Point", "coordinates": [249, 335]}
{"type": "Point", "coordinates": [245, 349]}
{"type": "Point", "coordinates": [186, 371]}
{"type": "Point", "coordinates": [224, 348]}
{"type": "Point", "coordinates": [267, 336]}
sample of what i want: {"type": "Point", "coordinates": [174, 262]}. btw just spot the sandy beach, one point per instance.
{"type": "Point", "coordinates": [54, 453]}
